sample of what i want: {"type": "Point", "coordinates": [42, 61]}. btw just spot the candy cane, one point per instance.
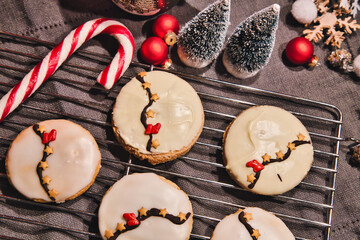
{"type": "Point", "coordinates": [43, 70]}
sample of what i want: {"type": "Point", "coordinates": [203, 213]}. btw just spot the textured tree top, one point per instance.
{"type": "Point", "coordinates": [250, 46]}
{"type": "Point", "coordinates": [203, 37]}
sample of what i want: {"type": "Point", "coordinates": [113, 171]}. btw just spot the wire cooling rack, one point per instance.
{"type": "Point", "coordinates": [307, 209]}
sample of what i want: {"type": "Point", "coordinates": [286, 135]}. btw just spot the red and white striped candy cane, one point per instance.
{"type": "Point", "coordinates": [43, 70]}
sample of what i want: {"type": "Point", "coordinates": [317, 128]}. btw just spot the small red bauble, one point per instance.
{"type": "Point", "coordinates": [161, 4]}
{"type": "Point", "coordinates": [154, 50]}
{"type": "Point", "coordinates": [166, 26]}
{"type": "Point", "coordinates": [299, 51]}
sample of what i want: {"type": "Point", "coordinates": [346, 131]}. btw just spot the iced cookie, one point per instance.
{"type": "Point", "coordinates": [253, 224]}
{"type": "Point", "coordinates": [157, 116]}
{"type": "Point", "coordinates": [53, 161]}
{"type": "Point", "coordinates": [267, 150]}
{"type": "Point", "coordinates": [145, 206]}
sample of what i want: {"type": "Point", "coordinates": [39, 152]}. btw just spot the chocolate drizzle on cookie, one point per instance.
{"type": "Point", "coordinates": [143, 116]}
{"type": "Point", "coordinates": [248, 227]}
{"type": "Point", "coordinates": [280, 158]}
{"type": "Point", "coordinates": [42, 165]}
{"type": "Point", "coordinates": [143, 215]}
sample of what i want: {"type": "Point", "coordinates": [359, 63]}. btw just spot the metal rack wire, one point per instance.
{"type": "Point", "coordinates": [307, 209]}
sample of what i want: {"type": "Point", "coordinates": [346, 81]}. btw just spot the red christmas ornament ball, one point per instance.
{"type": "Point", "coordinates": [154, 50]}
{"type": "Point", "coordinates": [299, 51]}
{"type": "Point", "coordinates": [164, 24]}
{"type": "Point", "coordinates": [161, 4]}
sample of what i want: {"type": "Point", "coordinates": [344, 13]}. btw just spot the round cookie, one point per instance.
{"type": "Point", "coordinates": [251, 223]}
{"type": "Point", "coordinates": [157, 116]}
{"type": "Point", "coordinates": [267, 150]}
{"type": "Point", "coordinates": [53, 161]}
{"type": "Point", "coordinates": [145, 206]}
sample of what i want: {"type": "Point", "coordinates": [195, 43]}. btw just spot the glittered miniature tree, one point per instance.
{"type": "Point", "coordinates": [202, 38]}
{"type": "Point", "coordinates": [250, 46]}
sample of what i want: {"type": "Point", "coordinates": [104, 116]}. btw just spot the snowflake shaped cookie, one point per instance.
{"type": "Point", "coordinates": [331, 25]}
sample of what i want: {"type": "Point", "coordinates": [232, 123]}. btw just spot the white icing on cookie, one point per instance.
{"type": "Point", "coordinates": [72, 166]}
{"type": "Point", "coordinates": [267, 130]}
{"type": "Point", "coordinates": [147, 190]}
{"type": "Point", "coordinates": [178, 110]}
{"type": "Point", "coordinates": [268, 225]}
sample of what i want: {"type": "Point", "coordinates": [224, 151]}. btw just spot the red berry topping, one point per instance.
{"type": "Point", "coordinates": [152, 129]}
{"type": "Point", "coordinates": [255, 165]}
{"type": "Point", "coordinates": [48, 137]}
{"type": "Point", "coordinates": [131, 218]}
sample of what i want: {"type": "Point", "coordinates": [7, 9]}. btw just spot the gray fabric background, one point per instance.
{"type": "Point", "coordinates": [52, 20]}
